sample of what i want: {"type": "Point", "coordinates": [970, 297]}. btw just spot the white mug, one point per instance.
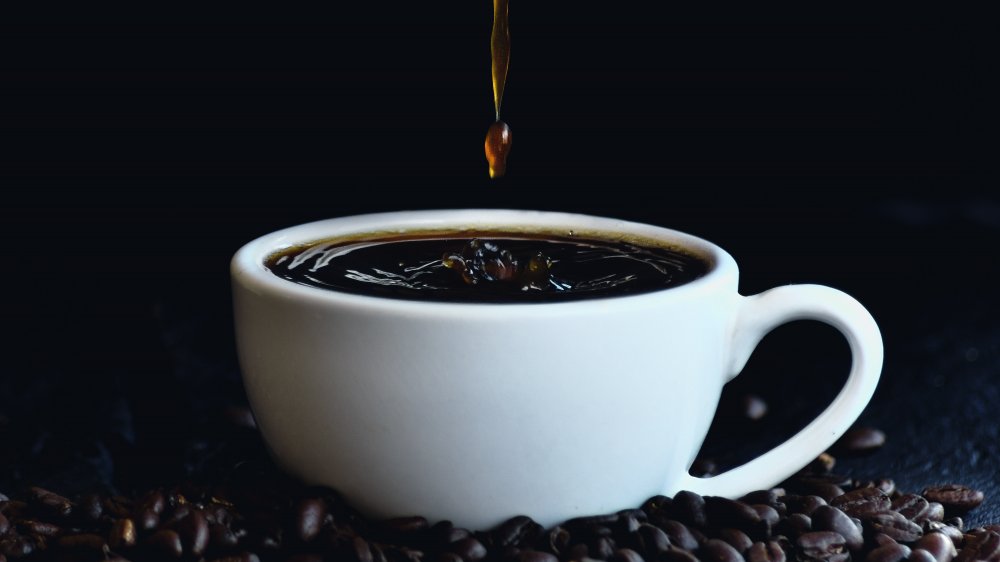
{"type": "Point", "coordinates": [476, 412]}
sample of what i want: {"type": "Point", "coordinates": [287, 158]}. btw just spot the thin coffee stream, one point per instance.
{"type": "Point", "coordinates": [494, 267]}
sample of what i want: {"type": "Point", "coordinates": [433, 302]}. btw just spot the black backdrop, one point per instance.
{"type": "Point", "coordinates": [139, 157]}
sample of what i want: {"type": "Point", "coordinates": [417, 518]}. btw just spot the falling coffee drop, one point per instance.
{"type": "Point", "coordinates": [498, 140]}
{"type": "Point", "coordinates": [498, 136]}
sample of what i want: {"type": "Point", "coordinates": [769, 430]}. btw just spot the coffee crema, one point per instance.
{"type": "Point", "coordinates": [486, 266]}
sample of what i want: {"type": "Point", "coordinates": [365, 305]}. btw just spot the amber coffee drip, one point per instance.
{"type": "Point", "coordinates": [498, 137]}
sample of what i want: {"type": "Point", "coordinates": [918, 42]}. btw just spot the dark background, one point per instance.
{"type": "Point", "coordinates": [137, 158]}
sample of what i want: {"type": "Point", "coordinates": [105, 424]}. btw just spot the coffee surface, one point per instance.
{"type": "Point", "coordinates": [494, 267]}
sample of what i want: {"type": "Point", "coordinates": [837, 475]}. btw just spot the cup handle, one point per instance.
{"type": "Point", "coordinates": [758, 315]}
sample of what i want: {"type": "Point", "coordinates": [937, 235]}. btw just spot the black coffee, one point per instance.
{"type": "Point", "coordinates": [496, 267]}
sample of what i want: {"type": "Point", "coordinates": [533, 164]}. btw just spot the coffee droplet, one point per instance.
{"type": "Point", "coordinates": [498, 139]}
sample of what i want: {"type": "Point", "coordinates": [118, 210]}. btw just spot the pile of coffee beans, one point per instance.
{"type": "Point", "coordinates": [258, 514]}
{"type": "Point", "coordinates": [239, 507]}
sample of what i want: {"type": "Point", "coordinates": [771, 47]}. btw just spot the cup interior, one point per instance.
{"type": "Point", "coordinates": [249, 263]}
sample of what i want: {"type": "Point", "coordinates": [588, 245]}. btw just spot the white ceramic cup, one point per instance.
{"type": "Point", "coordinates": [479, 412]}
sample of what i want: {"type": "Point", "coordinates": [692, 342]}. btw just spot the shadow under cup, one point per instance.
{"type": "Point", "coordinates": [476, 412]}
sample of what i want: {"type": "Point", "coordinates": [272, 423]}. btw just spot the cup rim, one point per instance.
{"type": "Point", "coordinates": [247, 267]}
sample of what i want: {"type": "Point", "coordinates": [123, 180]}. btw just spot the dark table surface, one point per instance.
{"type": "Point", "coordinates": [139, 158]}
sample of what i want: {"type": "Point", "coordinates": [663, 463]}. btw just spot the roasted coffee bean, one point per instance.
{"type": "Point", "coordinates": [736, 538]}
{"type": "Point", "coordinates": [910, 506]}
{"type": "Point", "coordinates": [829, 518]}
{"type": "Point", "coordinates": [677, 555]}
{"type": "Point", "coordinates": [469, 548]}
{"type": "Point", "coordinates": [724, 512]}
{"type": "Point", "coordinates": [122, 534]}
{"type": "Point", "coordinates": [822, 464]}
{"type": "Point", "coordinates": [537, 556]}
{"type": "Point", "coordinates": [953, 533]}
{"type": "Point", "coordinates": [842, 480]}
{"type": "Point", "coordinates": [4, 524]}
{"type": "Point", "coordinates": [591, 521]}
{"type": "Point", "coordinates": [85, 541]}
{"type": "Point", "coordinates": [89, 508]}
{"type": "Point", "coordinates": [822, 545]}
{"type": "Point", "coordinates": [772, 497]}
{"type": "Point", "coordinates": [117, 506]}
{"type": "Point", "coordinates": [270, 538]}
{"type": "Point", "coordinates": [954, 497]}
{"type": "Point", "coordinates": [784, 542]}
{"type": "Point", "coordinates": [38, 528]}
{"type": "Point", "coordinates": [652, 540]}
{"type": "Point", "coordinates": [921, 555]}
{"type": "Point", "coordinates": [146, 519]}
{"type": "Point", "coordinates": [688, 508]}
{"type": "Point", "coordinates": [767, 514]}
{"type": "Point", "coordinates": [447, 557]}
{"type": "Point", "coordinates": [578, 552]}
{"type": "Point", "coordinates": [49, 503]}
{"type": "Point", "coordinates": [803, 504]}
{"type": "Point", "coordinates": [362, 550]}
{"type": "Point", "coordinates": [769, 551]}
{"type": "Point", "coordinates": [859, 441]}
{"type": "Point", "coordinates": [405, 554]}
{"type": "Point", "coordinates": [154, 501]}
{"type": "Point", "coordinates": [887, 485]}
{"type": "Point", "coordinates": [719, 551]}
{"type": "Point", "coordinates": [446, 533]}
{"type": "Point", "coordinates": [242, 557]}
{"type": "Point", "coordinates": [456, 534]}
{"type": "Point", "coordinates": [941, 547]}
{"type": "Point", "coordinates": [598, 531]}
{"type": "Point", "coordinates": [221, 537]}
{"type": "Point", "coordinates": [397, 525]}
{"type": "Point", "coordinates": [984, 546]}
{"type": "Point", "coordinates": [305, 557]}
{"type": "Point", "coordinates": [679, 534]}
{"type": "Point", "coordinates": [218, 513]}
{"type": "Point", "coordinates": [621, 555]}
{"type": "Point", "coordinates": [894, 552]}
{"type": "Point", "coordinates": [656, 505]}
{"type": "Point", "coordinates": [602, 547]}
{"type": "Point", "coordinates": [629, 519]}
{"type": "Point", "coordinates": [558, 539]}
{"type": "Point", "coordinates": [795, 525]}
{"type": "Point", "coordinates": [309, 515]}
{"type": "Point", "coordinates": [14, 546]}
{"type": "Point", "coordinates": [193, 531]}
{"type": "Point", "coordinates": [698, 535]}
{"type": "Point", "coordinates": [934, 512]}
{"type": "Point", "coordinates": [507, 553]}
{"type": "Point", "coordinates": [896, 526]}
{"type": "Point", "coordinates": [824, 490]}
{"type": "Point", "coordinates": [881, 539]}
{"type": "Point", "coordinates": [171, 518]}
{"type": "Point", "coordinates": [862, 502]}
{"type": "Point", "coordinates": [516, 531]}
{"type": "Point", "coordinates": [166, 542]}
{"type": "Point", "coordinates": [956, 522]}
{"type": "Point", "coordinates": [14, 508]}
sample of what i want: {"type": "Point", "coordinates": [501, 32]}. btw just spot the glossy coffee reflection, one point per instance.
{"type": "Point", "coordinates": [487, 267]}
